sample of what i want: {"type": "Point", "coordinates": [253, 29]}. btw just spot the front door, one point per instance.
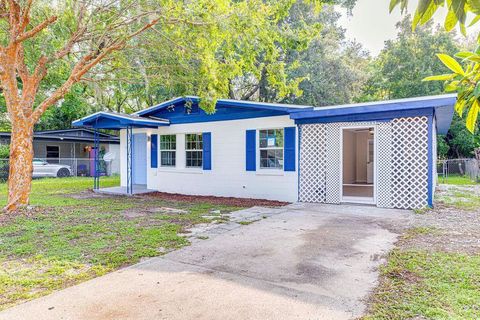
{"type": "Point", "coordinates": [358, 165]}
{"type": "Point", "coordinates": [139, 158]}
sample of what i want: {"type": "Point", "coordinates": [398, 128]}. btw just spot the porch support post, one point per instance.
{"type": "Point", "coordinates": [129, 160]}
{"type": "Point", "coordinates": [431, 163]}
{"type": "Point", "coordinates": [96, 175]}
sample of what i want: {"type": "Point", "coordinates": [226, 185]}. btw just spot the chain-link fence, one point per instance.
{"type": "Point", "coordinates": [65, 167]}
{"type": "Point", "coordinates": [450, 169]}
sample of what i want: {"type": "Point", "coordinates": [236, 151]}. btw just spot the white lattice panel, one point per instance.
{"type": "Point", "coordinates": [312, 163]}
{"type": "Point", "coordinates": [409, 162]}
{"type": "Point", "coordinates": [401, 162]}
{"type": "Point", "coordinates": [384, 164]}
{"type": "Point", "coordinates": [334, 154]}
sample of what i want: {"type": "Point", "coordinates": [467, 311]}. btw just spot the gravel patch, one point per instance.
{"type": "Point", "coordinates": [447, 228]}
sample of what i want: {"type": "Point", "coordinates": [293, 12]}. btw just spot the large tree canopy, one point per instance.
{"type": "Point", "coordinates": [158, 66]}
{"type": "Point", "coordinates": [404, 61]}
{"type": "Point", "coordinates": [334, 69]}
{"type": "Point", "coordinates": [273, 66]}
{"type": "Point", "coordinates": [48, 48]}
{"type": "Point", "coordinates": [398, 71]}
{"type": "Point", "coordinates": [463, 79]}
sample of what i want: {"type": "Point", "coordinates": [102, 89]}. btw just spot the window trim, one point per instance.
{"type": "Point", "coordinates": [200, 134]}
{"type": "Point", "coordinates": [167, 150]}
{"type": "Point", "coordinates": [259, 149]}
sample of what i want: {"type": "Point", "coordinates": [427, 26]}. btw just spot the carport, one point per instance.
{"type": "Point", "coordinates": [115, 121]}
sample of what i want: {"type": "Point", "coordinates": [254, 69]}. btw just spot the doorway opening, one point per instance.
{"type": "Point", "coordinates": [358, 165]}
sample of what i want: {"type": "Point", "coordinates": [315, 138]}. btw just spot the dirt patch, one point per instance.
{"type": "Point", "coordinates": [140, 212]}
{"type": "Point", "coordinates": [28, 212]}
{"type": "Point", "coordinates": [453, 229]}
{"type": "Point", "coordinates": [135, 213]}
{"type": "Point", "coordinates": [404, 275]}
{"type": "Point", "coordinates": [89, 194]}
{"type": "Point", "coordinates": [228, 201]}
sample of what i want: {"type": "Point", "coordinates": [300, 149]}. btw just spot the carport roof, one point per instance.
{"type": "Point", "coordinates": [113, 120]}
{"type": "Point", "coordinates": [441, 104]}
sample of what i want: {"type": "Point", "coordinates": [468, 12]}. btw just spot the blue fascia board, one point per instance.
{"type": "Point", "coordinates": [224, 117]}
{"type": "Point", "coordinates": [224, 103]}
{"type": "Point", "coordinates": [108, 121]}
{"type": "Point", "coordinates": [375, 107]}
{"type": "Point", "coordinates": [260, 106]}
{"type": "Point", "coordinates": [373, 116]}
{"type": "Point", "coordinates": [165, 104]}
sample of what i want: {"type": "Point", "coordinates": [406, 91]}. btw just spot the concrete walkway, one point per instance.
{"type": "Point", "coordinates": [298, 262]}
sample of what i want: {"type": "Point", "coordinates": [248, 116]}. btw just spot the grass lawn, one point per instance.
{"type": "Point", "coordinates": [457, 179]}
{"type": "Point", "coordinates": [70, 236]}
{"type": "Point", "coordinates": [434, 273]}
{"type": "Point", "coordinates": [428, 285]}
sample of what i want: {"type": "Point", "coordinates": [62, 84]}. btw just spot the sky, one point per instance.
{"type": "Point", "coordinates": [371, 24]}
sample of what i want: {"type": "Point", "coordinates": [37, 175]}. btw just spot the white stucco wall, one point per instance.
{"type": "Point", "coordinates": [115, 149]}
{"type": "Point", "coordinates": [228, 176]}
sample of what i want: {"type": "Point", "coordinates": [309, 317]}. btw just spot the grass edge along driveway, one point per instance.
{"type": "Point", "coordinates": [72, 235]}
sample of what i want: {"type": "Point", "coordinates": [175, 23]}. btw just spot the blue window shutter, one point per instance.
{"type": "Point", "coordinates": [207, 150]}
{"type": "Point", "coordinates": [289, 149]}
{"type": "Point", "coordinates": [251, 163]}
{"type": "Point", "coordinates": [154, 151]}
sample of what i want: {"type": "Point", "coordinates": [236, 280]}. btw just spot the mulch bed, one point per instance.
{"type": "Point", "coordinates": [228, 201]}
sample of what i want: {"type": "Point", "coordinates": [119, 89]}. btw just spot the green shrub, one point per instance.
{"type": "Point", "coordinates": [4, 151]}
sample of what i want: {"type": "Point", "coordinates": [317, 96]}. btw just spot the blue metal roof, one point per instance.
{"type": "Point", "coordinates": [440, 106]}
{"type": "Point", "coordinates": [287, 108]}
{"type": "Point", "coordinates": [113, 120]}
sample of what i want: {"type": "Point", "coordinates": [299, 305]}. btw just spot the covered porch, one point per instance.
{"type": "Point", "coordinates": [118, 121]}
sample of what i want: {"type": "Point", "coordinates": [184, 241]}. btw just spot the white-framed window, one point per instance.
{"type": "Point", "coordinates": [168, 150]}
{"type": "Point", "coordinates": [271, 148]}
{"type": "Point", "coordinates": [193, 150]}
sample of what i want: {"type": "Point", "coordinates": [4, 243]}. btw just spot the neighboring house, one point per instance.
{"type": "Point", "coordinates": [380, 153]}
{"type": "Point", "coordinates": [70, 146]}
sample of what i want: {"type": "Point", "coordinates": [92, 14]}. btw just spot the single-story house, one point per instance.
{"type": "Point", "coordinates": [381, 153]}
{"type": "Point", "coordinates": [74, 147]}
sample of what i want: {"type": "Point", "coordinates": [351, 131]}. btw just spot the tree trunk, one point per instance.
{"type": "Point", "coordinates": [21, 166]}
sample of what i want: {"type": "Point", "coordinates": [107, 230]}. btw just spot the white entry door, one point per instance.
{"type": "Point", "coordinates": [139, 158]}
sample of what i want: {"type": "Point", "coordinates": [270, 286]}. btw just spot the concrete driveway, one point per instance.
{"type": "Point", "coordinates": [297, 262]}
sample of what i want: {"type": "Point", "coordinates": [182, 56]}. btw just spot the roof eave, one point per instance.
{"type": "Point", "coordinates": [120, 121]}
{"type": "Point", "coordinates": [394, 105]}
{"type": "Point", "coordinates": [165, 104]}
